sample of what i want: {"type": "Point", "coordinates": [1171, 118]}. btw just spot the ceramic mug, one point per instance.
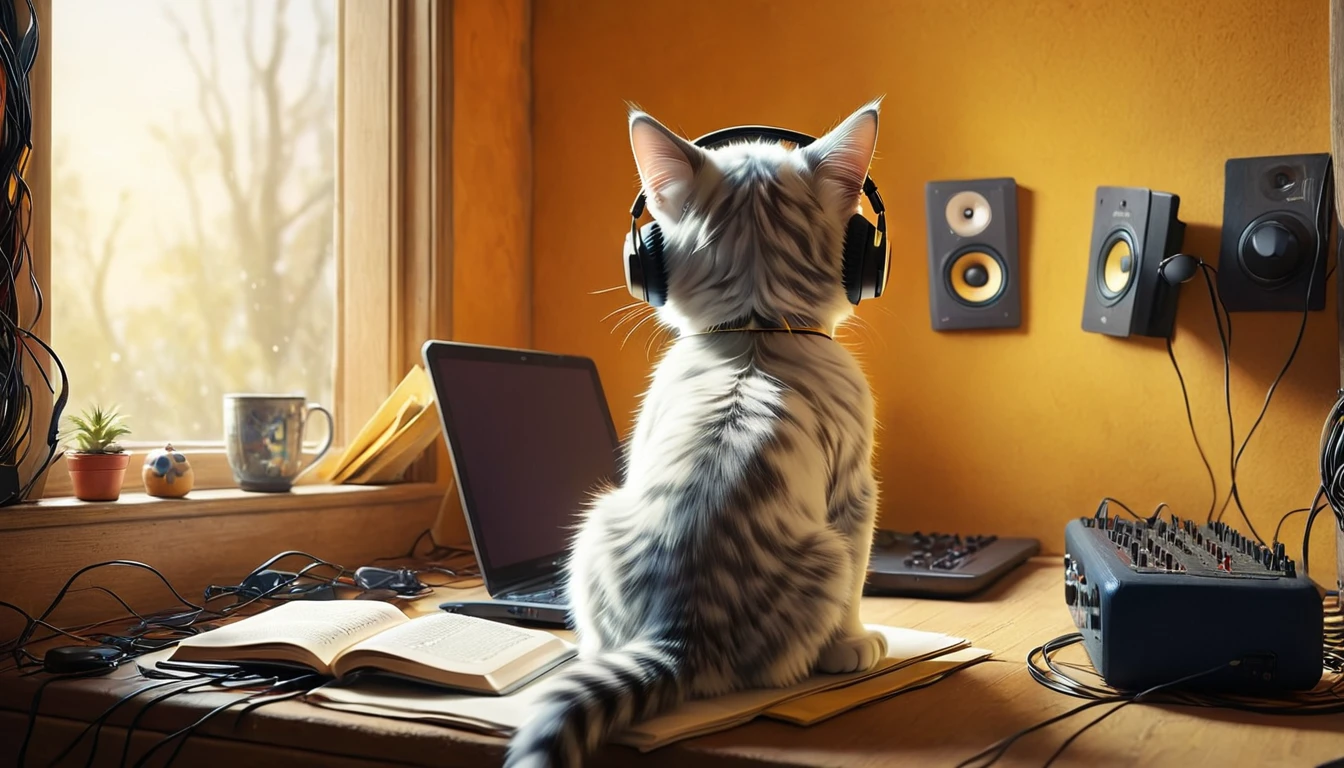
{"type": "Point", "coordinates": [263, 437]}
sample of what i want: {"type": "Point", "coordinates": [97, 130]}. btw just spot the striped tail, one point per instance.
{"type": "Point", "coordinates": [593, 699]}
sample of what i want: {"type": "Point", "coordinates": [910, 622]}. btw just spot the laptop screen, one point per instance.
{"type": "Point", "coordinates": [531, 437]}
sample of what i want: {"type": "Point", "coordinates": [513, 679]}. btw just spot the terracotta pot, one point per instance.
{"type": "Point", "coordinates": [97, 476]}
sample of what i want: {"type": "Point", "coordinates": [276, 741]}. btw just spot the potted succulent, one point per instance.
{"type": "Point", "coordinates": [96, 461]}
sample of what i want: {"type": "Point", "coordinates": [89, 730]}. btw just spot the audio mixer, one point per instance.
{"type": "Point", "coordinates": [1156, 600]}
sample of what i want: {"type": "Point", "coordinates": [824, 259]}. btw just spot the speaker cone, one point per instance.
{"type": "Point", "coordinates": [1270, 249]}
{"type": "Point", "coordinates": [975, 276]}
{"type": "Point", "coordinates": [1118, 264]}
{"type": "Point", "coordinates": [968, 213]}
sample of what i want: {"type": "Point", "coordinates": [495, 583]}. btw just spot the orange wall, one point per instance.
{"type": "Point", "coordinates": [1012, 432]}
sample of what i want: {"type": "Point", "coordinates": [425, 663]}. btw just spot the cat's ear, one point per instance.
{"type": "Point", "coordinates": [841, 157]}
{"type": "Point", "coordinates": [667, 164]}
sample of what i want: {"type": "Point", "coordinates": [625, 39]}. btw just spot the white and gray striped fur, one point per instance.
{"type": "Point", "coordinates": [734, 554]}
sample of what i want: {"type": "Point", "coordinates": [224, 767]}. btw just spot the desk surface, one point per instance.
{"type": "Point", "coordinates": [939, 726]}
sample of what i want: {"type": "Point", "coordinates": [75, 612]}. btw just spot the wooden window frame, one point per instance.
{"type": "Point", "coordinates": [393, 255]}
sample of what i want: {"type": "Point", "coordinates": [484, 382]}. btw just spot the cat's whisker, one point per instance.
{"type": "Point", "coordinates": [642, 313]}
{"type": "Point", "coordinates": [861, 334]}
{"type": "Point", "coordinates": [871, 333]}
{"type": "Point", "coordinates": [606, 290]}
{"type": "Point", "coordinates": [665, 336]}
{"type": "Point", "coordinates": [631, 305]}
{"type": "Point", "coordinates": [636, 326]}
{"type": "Point", "coordinates": [649, 344]}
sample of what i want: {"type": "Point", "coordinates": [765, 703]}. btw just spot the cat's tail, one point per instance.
{"type": "Point", "coordinates": [594, 698]}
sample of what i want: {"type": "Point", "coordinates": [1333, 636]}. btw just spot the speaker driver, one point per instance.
{"type": "Point", "coordinates": [968, 213]}
{"type": "Point", "coordinates": [1118, 265]}
{"type": "Point", "coordinates": [975, 276]}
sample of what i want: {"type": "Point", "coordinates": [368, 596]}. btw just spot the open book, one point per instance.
{"type": "Point", "coordinates": [339, 638]}
{"type": "Point", "coordinates": [914, 658]}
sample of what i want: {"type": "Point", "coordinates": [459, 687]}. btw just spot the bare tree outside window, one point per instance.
{"type": "Point", "coordinates": [193, 201]}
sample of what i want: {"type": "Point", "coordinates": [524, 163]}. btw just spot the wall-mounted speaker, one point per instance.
{"type": "Point", "coordinates": [1133, 230]}
{"type": "Point", "coordinates": [1276, 232]}
{"type": "Point", "coordinates": [973, 254]}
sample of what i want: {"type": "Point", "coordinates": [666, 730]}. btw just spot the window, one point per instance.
{"type": "Point", "coordinates": [193, 147]}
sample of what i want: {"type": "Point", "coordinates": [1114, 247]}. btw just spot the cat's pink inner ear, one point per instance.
{"type": "Point", "coordinates": [665, 170]}
{"type": "Point", "coordinates": [843, 156]}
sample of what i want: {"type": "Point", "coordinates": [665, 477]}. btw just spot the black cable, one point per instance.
{"type": "Point", "coordinates": [1056, 678]}
{"type": "Point", "coordinates": [1109, 500]}
{"type": "Point", "coordinates": [1190, 419]}
{"type": "Point", "coordinates": [96, 725]}
{"type": "Point", "coordinates": [1284, 519]}
{"type": "Point", "coordinates": [1221, 317]}
{"type": "Point", "coordinates": [35, 707]}
{"type": "Point", "coordinates": [1000, 747]}
{"type": "Point", "coordinates": [17, 443]}
{"type": "Point", "coordinates": [135, 721]}
{"type": "Point", "coordinates": [1127, 702]}
{"type": "Point", "coordinates": [178, 623]}
{"type": "Point", "coordinates": [1306, 542]}
{"type": "Point", "coordinates": [1331, 475]}
{"type": "Point", "coordinates": [182, 734]}
{"type": "Point", "coordinates": [25, 637]}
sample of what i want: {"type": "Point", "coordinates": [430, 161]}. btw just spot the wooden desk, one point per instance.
{"type": "Point", "coordinates": [938, 726]}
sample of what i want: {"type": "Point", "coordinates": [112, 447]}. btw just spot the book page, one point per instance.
{"type": "Point", "coordinates": [500, 715]}
{"type": "Point", "coordinates": [457, 642]}
{"type": "Point", "coordinates": [323, 627]}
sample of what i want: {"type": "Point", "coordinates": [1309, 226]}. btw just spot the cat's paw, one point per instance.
{"type": "Point", "coordinates": [853, 653]}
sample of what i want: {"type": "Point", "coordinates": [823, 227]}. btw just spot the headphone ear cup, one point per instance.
{"type": "Point", "coordinates": [644, 274]}
{"type": "Point", "coordinates": [863, 261]}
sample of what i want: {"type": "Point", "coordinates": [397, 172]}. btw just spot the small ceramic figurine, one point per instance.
{"type": "Point", "coordinates": [167, 473]}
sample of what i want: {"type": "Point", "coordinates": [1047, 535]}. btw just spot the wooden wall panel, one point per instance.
{"type": "Point", "coordinates": [492, 172]}
{"type": "Point", "coordinates": [489, 205]}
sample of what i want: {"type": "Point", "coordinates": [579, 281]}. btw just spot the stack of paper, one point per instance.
{"type": "Point", "coordinates": [398, 433]}
{"type": "Point", "coordinates": [913, 659]}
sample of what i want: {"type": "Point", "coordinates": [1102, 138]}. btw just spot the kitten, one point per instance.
{"type": "Point", "coordinates": [734, 555]}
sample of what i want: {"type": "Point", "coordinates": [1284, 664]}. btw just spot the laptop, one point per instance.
{"type": "Point", "coordinates": [531, 437]}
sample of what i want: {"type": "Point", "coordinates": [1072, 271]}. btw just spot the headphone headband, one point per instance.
{"type": "Point", "coordinates": [724, 135]}
{"type": "Point", "coordinates": [864, 260]}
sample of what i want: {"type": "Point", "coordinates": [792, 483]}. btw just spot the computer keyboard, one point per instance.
{"type": "Point", "coordinates": [946, 565]}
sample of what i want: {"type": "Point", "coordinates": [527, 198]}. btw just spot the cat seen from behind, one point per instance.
{"type": "Point", "coordinates": [734, 553]}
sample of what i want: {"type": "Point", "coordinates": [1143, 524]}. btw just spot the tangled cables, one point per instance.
{"type": "Point", "coordinates": [18, 341]}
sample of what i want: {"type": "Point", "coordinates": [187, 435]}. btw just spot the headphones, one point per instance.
{"type": "Point", "coordinates": [866, 252]}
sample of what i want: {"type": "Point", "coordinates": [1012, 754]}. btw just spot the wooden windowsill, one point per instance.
{"type": "Point", "coordinates": [69, 511]}
{"type": "Point", "coordinates": [212, 537]}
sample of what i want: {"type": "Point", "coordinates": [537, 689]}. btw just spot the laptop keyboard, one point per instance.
{"type": "Point", "coordinates": [550, 596]}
